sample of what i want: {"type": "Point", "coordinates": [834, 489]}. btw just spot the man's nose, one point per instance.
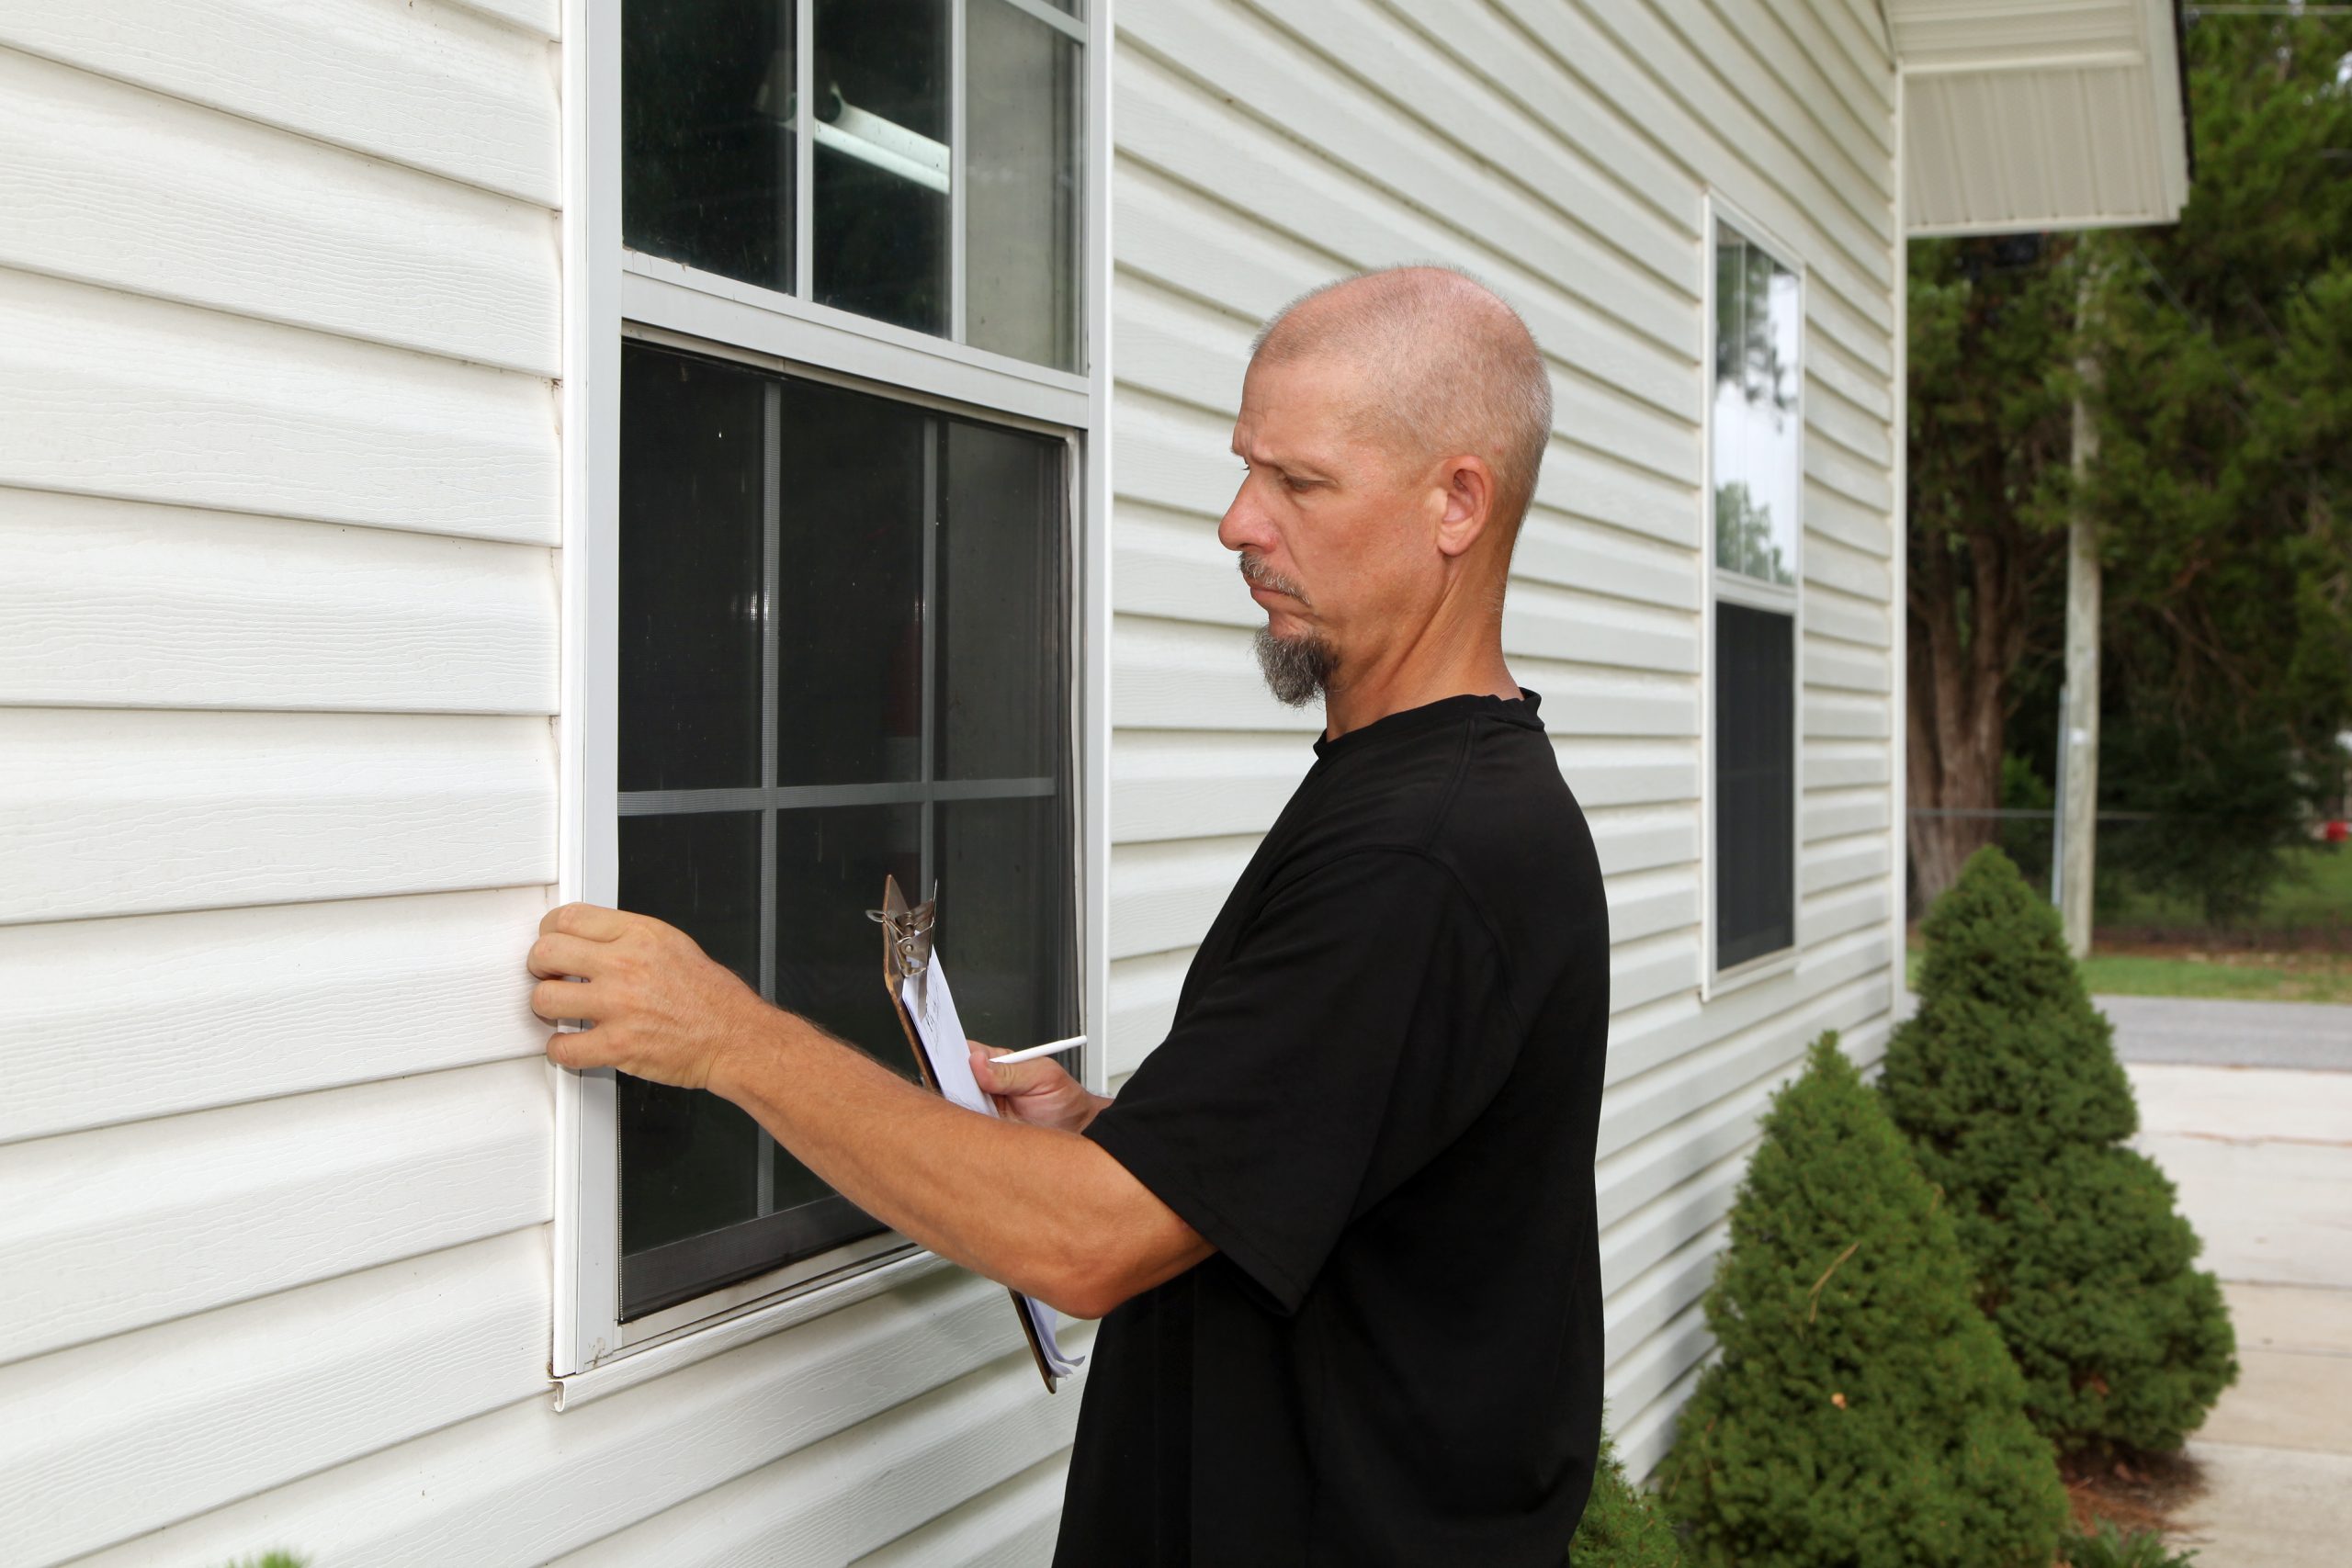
{"type": "Point", "coordinates": [1243, 528]}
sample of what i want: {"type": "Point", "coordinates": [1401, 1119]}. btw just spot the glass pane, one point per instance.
{"type": "Point", "coordinates": [1007, 918]}
{"type": "Point", "coordinates": [881, 160]}
{"type": "Point", "coordinates": [849, 624]}
{"type": "Point", "coordinates": [690, 510]}
{"type": "Point", "coordinates": [1021, 204]}
{"type": "Point", "coordinates": [707, 155]}
{"type": "Point", "coordinates": [999, 704]}
{"type": "Point", "coordinates": [1755, 442]}
{"type": "Point", "coordinates": [690, 1160]}
{"type": "Point", "coordinates": [829, 869]}
{"type": "Point", "coordinates": [1755, 778]}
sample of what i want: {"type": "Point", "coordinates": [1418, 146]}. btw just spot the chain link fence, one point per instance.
{"type": "Point", "coordinates": [2198, 883]}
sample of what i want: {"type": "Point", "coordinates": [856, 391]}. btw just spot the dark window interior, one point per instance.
{"type": "Point", "coordinates": [1755, 782]}
{"type": "Point", "coordinates": [902, 711]}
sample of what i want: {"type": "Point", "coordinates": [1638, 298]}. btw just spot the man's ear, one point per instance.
{"type": "Point", "coordinates": [1469, 503]}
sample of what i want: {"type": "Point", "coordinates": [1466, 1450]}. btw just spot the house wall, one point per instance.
{"type": "Point", "coordinates": [280, 473]}
{"type": "Point", "coordinates": [1562, 153]}
{"type": "Point", "coordinates": [279, 302]}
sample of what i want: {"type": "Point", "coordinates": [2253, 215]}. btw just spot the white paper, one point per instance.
{"type": "Point", "coordinates": [933, 1007]}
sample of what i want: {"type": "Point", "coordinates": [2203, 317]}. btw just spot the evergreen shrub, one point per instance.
{"type": "Point", "coordinates": [2006, 1084]}
{"type": "Point", "coordinates": [1622, 1526]}
{"type": "Point", "coordinates": [1862, 1414]}
{"type": "Point", "coordinates": [2110, 1548]}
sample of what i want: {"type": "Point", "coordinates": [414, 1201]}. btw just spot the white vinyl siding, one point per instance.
{"type": "Point", "coordinates": [281, 469]}
{"type": "Point", "coordinates": [1262, 150]}
{"type": "Point", "coordinates": [280, 475]}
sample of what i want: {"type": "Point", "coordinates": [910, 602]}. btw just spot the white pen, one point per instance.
{"type": "Point", "coordinates": [1051, 1048]}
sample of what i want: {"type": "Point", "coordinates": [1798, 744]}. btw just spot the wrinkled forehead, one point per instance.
{"type": "Point", "coordinates": [1324, 407]}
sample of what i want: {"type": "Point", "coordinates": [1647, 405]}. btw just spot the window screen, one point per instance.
{"type": "Point", "coordinates": [1755, 775]}
{"type": "Point", "coordinates": [843, 654]}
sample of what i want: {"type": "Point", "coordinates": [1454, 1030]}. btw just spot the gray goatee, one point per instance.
{"type": "Point", "coordinates": [1298, 669]}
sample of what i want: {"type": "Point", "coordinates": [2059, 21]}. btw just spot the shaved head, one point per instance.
{"type": "Point", "coordinates": [1445, 368]}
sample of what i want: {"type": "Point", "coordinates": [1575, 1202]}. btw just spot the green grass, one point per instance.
{"type": "Point", "coordinates": [2316, 897]}
{"type": "Point", "coordinates": [2288, 978]}
{"type": "Point", "coordinates": [2317, 893]}
{"type": "Point", "coordinates": [2261, 977]}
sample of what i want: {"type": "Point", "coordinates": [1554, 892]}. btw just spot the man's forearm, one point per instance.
{"type": "Point", "coordinates": [1039, 1209]}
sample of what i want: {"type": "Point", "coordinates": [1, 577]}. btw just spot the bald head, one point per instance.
{"type": "Point", "coordinates": [1445, 368]}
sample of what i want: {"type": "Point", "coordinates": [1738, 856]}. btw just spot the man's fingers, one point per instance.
{"type": "Point", "coordinates": [556, 1001]}
{"type": "Point", "coordinates": [555, 955]}
{"type": "Point", "coordinates": [1018, 1078]}
{"type": "Point", "coordinates": [577, 1049]}
{"type": "Point", "coordinates": [593, 921]}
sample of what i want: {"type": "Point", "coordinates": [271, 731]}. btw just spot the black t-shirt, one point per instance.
{"type": "Point", "coordinates": [1378, 1101]}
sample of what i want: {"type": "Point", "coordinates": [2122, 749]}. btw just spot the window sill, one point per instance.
{"type": "Point", "coordinates": [1754, 972]}
{"type": "Point", "coordinates": [700, 1343]}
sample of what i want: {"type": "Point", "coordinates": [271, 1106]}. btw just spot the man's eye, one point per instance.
{"type": "Point", "coordinates": [1295, 484]}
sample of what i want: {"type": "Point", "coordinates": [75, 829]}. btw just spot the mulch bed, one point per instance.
{"type": "Point", "coordinates": [2138, 1493]}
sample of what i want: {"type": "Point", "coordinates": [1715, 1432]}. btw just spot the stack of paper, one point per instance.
{"type": "Point", "coordinates": [931, 1006]}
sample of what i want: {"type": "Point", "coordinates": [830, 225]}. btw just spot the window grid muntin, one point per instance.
{"type": "Point", "coordinates": [1074, 30]}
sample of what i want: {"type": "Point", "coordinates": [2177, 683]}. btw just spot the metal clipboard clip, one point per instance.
{"type": "Point", "coordinates": [907, 929]}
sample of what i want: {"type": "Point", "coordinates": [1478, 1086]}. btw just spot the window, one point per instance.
{"type": "Point", "coordinates": [936, 189]}
{"type": "Point", "coordinates": [842, 656]}
{"type": "Point", "coordinates": [833, 567]}
{"type": "Point", "coordinates": [1756, 483]}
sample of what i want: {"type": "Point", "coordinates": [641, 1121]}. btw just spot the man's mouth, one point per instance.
{"type": "Point", "coordinates": [1267, 584]}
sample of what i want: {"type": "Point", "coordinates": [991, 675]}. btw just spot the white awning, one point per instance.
{"type": "Point", "coordinates": [2026, 115]}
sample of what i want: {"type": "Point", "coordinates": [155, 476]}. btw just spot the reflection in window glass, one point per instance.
{"type": "Point", "coordinates": [707, 157]}
{"type": "Point", "coordinates": [917, 565]}
{"type": "Point", "coordinates": [882, 163]}
{"type": "Point", "coordinates": [1021, 211]}
{"type": "Point", "coordinates": [1754, 419]}
{"type": "Point", "coordinates": [1005, 884]}
{"type": "Point", "coordinates": [690, 558]}
{"type": "Point", "coordinates": [1000, 590]}
{"type": "Point", "coordinates": [689, 1169]}
{"type": "Point", "coordinates": [849, 612]}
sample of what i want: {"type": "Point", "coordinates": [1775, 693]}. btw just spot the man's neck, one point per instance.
{"type": "Point", "coordinates": [1366, 696]}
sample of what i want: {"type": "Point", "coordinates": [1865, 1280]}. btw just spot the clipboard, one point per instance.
{"type": "Point", "coordinates": [906, 949]}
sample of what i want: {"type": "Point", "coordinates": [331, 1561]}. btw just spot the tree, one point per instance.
{"type": "Point", "coordinates": [2222, 494]}
{"type": "Point", "coordinates": [1863, 1413]}
{"type": "Point", "coordinates": [2225, 484]}
{"type": "Point", "coordinates": [2006, 1084]}
{"type": "Point", "coordinates": [1991, 401]}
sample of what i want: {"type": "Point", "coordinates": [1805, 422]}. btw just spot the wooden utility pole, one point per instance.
{"type": "Point", "coordinates": [2078, 721]}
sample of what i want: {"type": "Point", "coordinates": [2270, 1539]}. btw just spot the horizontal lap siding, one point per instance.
{"type": "Point", "coordinates": [1263, 150]}
{"type": "Point", "coordinates": [519, 1482]}
{"type": "Point", "coordinates": [280, 304]}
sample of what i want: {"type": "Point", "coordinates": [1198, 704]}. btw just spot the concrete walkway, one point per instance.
{"type": "Point", "coordinates": [2262, 1155]}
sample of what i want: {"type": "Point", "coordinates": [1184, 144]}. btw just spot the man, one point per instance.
{"type": "Point", "coordinates": [1341, 1224]}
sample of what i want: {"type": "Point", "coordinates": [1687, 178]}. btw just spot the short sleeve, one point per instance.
{"type": "Point", "coordinates": [1360, 1023]}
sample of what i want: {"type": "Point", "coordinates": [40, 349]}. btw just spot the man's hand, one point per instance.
{"type": "Point", "coordinates": [1040, 1093]}
{"type": "Point", "coordinates": [661, 1009]}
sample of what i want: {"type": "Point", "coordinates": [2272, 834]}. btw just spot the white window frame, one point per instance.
{"type": "Point", "coordinates": [1723, 586]}
{"type": "Point", "coordinates": [610, 293]}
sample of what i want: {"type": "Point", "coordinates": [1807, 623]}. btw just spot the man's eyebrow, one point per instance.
{"type": "Point", "coordinates": [1291, 466]}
